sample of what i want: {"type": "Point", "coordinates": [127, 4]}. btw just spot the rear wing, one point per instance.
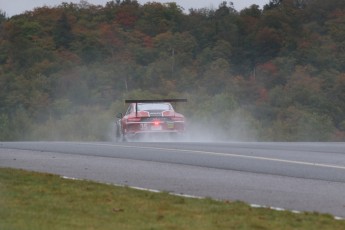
{"type": "Point", "coordinates": [152, 101]}
{"type": "Point", "coordinates": [156, 101]}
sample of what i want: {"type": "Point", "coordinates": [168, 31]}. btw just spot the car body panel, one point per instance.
{"type": "Point", "coordinates": [150, 118]}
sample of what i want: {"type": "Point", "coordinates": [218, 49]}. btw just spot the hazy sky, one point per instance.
{"type": "Point", "coordinates": [12, 7]}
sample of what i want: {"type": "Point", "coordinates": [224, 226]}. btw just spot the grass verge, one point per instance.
{"type": "Point", "coordinates": [43, 201]}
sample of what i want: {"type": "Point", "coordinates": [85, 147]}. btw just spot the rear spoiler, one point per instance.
{"type": "Point", "coordinates": [152, 101]}
{"type": "Point", "coordinates": [156, 101]}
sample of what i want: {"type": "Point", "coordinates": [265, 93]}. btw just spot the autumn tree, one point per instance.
{"type": "Point", "coordinates": [278, 71]}
{"type": "Point", "coordinates": [127, 13]}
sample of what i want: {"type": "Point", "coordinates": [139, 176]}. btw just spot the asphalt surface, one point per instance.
{"type": "Point", "coordinates": [293, 176]}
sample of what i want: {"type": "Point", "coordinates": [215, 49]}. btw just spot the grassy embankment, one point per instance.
{"type": "Point", "coordinates": [43, 201]}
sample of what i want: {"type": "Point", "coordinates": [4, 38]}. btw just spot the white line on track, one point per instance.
{"type": "Point", "coordinates": [226, 155]}
{"type": "Point", "coordinates": [196, 197]}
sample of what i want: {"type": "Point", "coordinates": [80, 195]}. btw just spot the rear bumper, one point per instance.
{"type": "Point", "coordinates": [138, 128]}
{"type": "Point", "coordinates": [156, 135]}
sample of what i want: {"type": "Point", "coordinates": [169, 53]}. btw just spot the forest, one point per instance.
{"type": "Point", "coordinates": [270, 74]}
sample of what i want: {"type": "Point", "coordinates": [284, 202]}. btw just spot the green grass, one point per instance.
{"type": "Point", "coordinates": [42, 201]}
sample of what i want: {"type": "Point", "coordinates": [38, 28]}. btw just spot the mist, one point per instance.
{"type": "Point", "coordinates": [236, 128]}
{"type": "Point", "coordinates": [209, 118]}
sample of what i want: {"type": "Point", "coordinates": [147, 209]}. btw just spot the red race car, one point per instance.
{"type": "Point", "coordinates": [150, 119]}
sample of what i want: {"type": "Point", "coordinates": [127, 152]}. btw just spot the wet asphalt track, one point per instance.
{"type": "Point", "coordinates": [294, 176]}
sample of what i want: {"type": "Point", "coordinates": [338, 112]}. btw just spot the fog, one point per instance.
{"type": "Point", "coordinates": [236, 129]}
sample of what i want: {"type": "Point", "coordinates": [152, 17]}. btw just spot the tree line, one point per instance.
{"type": "Point", "coordinates": [271, 74]}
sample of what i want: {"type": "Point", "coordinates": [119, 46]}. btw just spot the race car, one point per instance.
{"type": "Point", "coordinates": [147, 119]}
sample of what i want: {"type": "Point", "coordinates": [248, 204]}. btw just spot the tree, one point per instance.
{"type": "Point", "coordinates": [111, 38]}
{"type": "Point", "coordinates": [127, 14]}
{"type": "Point", "coordinates": [160, 18]}
{"type": "Point", "coordinates": [2, 16]}
{"type": "Point", "coordinates": [335, 96]}
{"type": "Point", "coordinates": [273, 4]}
{"type": "Point", "coordinates": [269, 42]}
{"type": "Point", "coordinates": [63, 35]}
{"type": "Point", "coordinates": [179, 47]}
{"type": "Point", "coordinates": [295, 124]}
{"type": "Point", "coordinates": [5, 128]}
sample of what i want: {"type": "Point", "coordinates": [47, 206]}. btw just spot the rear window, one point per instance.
{"type": "Point", "coordinates": [154, 106]}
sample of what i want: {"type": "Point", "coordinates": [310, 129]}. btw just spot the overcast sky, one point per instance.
{"type": "Point", "coordinates": [13, 7]}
